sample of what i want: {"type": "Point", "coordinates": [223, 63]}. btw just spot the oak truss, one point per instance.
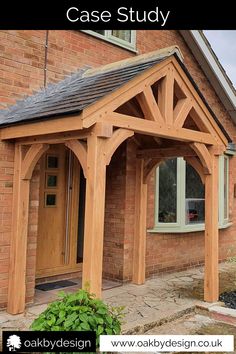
{"type": "Point", "coordinates": [160, 103]}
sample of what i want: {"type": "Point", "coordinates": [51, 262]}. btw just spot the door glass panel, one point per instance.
{"type": "Point", "coordinates": [51, 181]}
{"type": "Point", "coordinates": [52, 161]}
{"type": "Point", "coordinates": [50, 200]}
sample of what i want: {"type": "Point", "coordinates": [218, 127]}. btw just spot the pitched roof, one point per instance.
{"type": "Point", "coordinates": [82, 89]}
{"type": "Point", "coordinates": [72, 95]}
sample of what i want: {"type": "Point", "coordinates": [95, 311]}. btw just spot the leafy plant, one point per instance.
{"type": "Point", "coordinates": [80, 311]}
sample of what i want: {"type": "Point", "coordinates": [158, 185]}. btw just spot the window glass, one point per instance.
{"type": "Point", "coordinates": [180, 198]}
{"type": "Point", "coordinates": [102, 32]}
{"type": "Point", "coordinates": [125, 35]}
{"type": "Point", "coordinates": [194, 197]}
{"type": "Point", "coordinates": [225, 188]}
{"type": "Point", "coordinates": [168, 191]}
{"type": "Point", "coordinates": [123, 38]}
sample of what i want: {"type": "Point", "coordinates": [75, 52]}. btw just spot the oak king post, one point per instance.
{"type": "Point", "coordinates": [122, 15]}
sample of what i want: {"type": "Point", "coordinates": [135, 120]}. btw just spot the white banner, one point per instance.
{"type": "Point", "coordinates": [167, 343]}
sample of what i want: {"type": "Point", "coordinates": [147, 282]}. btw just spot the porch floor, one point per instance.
{"type": "Point", "coordinates": [44, 297]}
{"type": "Point", "coordinates": [161, 299]}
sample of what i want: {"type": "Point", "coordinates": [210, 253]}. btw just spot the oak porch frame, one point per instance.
{"type": "Point", "coordinates": [94, 136]}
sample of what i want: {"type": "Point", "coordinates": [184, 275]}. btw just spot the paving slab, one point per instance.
{"type": "Point", "coordinates": [160, 299]}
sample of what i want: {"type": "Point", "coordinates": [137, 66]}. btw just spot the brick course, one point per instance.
{"type": "Point", "coordinates": [22, 71]}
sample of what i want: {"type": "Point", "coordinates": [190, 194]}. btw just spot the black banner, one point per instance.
{"type": "Point", "coordinates": [81, 14]}
{"type": "Point", "coordinates": [40, 341]}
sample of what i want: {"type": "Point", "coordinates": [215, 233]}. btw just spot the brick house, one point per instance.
{"type": "Point", "coordinates": [122, 170]}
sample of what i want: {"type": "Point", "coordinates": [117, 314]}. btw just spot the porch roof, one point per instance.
{"type": "Point", "coordinates": [73, 94]}
{"type": "Point", "coordinates": [84, 88]}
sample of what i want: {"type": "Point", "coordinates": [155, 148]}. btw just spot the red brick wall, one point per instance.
{"type": "Point", "coordinates": [115, 216]}
{"type": "Point", "coordinates": [22, 64]}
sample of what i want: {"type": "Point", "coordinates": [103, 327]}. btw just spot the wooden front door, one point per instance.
{"type": "Point", "coordinates": [58, 213]}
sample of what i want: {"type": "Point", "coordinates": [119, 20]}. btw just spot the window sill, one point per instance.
{"type": "Point", "coordinates": [186, 229]}
{"type": "Point", "coordinates": [114, 41]}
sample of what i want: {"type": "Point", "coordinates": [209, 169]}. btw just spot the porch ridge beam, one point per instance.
{"type": "Point", "coordinates": [146, 127]}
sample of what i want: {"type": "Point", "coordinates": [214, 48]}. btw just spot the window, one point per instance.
{"type": "Point", "coordinates": [123, 38]}
{"type": "Point", "coordinates": [180, 196]}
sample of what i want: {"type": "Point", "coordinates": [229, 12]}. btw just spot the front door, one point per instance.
{"type": "Point", "coordinates": [58, 212]}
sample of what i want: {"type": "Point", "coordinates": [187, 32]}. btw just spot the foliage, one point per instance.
{"type": "Point", "coordinates": [231, 259]}
{"type": "Point", "coordinates": [80, 311]}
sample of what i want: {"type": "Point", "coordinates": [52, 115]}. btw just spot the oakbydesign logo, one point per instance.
{"type": "Point", "coordinates": [13, 343]}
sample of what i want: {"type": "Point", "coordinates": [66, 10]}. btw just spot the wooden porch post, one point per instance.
{"type": "Point", "coordinates": [211, 280]}
{"type": "Point", "coordinates": [23, 168]}
{"type": "Point", "coordinates": [139, 252]}
{"type": "Point", "coordinates": [17, 269]}
{"type": "Point", "coordinates": [94, 215]}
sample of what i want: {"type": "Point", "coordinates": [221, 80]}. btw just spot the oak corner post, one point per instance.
{"type": "Point", "coordinates": [94, 216]}
{"type": "Point", "coordinates": [23, 168]}
{"type": "Point", "coordinates": [17, 268]}
{"type": "Point", "coordinates": [211, 278]}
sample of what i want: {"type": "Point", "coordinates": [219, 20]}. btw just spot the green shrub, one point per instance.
{"type": "Point", "coordinates": [80, 311]}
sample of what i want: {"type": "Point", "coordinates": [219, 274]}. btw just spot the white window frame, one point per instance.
{"type": "Point", "coordinates": [180, 225]}
{"type": "Point", "coordinates": [108, 37]}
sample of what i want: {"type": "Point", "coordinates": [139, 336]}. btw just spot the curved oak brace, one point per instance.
{"type": "Point", "coordinates": [80, 152]}
{"type": "Point", "coordinates": [31, 158]}
{"type": "Point", "coordinates": [181, 112]}
{"type": "Point", "coordinates": [204, 156]}
{"type": "Point", "coordinates": [194, 162]}
{"type": "Point", "coordinates": [149, 168]}
{"type": "Point", "coordinates": [114, 142]}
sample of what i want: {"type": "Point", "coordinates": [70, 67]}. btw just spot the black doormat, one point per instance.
{"type": "Point", "coordinates": [55, 285]}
